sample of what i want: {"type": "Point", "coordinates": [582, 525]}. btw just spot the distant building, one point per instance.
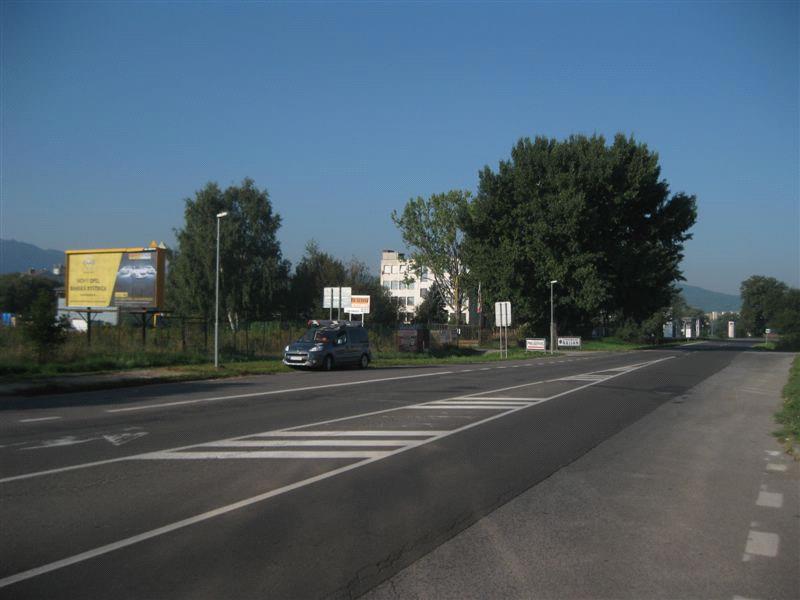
{"type": "Point", "coordinates": [409, 289]}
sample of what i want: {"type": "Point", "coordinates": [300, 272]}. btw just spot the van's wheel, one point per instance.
{"type": "Point", "coordinates": [364, 363]}
{"type": "Point", "coordinates": [327, 364]}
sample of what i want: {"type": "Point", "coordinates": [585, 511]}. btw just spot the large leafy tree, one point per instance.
{"type": "Point", "coordinates": [762, 300]}
{"type": "Point", "coordinates": [253, 274]}
{"type": "Point", "coordinates": [433, 233]}
{"type": "Point", "coordinates": [598, 218]}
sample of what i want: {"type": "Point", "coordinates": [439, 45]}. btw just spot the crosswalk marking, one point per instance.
{"type": "Point", "coordinates": [461, 406]}
{"type": "Point", "coordinates": [278, 443]}
{"type": "Point", "coordinates": [264, 454]}
{"type": "Point", "coordinates": [352, 433]}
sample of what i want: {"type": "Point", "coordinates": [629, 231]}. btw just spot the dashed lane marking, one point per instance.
{"type": "Point", "coordinates": [762, 543]}
{"type": "Point", "coordinates": [39, 419]}
{"type": "Point", "coordinates": [776, 467]}
{"type": "Point", "coordinates": [770, 499]}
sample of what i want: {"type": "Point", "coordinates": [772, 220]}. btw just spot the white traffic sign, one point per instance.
{"type": "Point", "coordinates": [569, 342]}
{"type": "Point", "coordinates": [502, 314]}
{"type": "Point", "coordinates": [359, 305]}
{"type": "Point", "coordinates": [336, 297]}
{"type": "Point", "coordinates": [535, 344]}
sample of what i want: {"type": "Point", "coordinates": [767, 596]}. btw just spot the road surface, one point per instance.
{"type": "Point", "coordinates": [304, 485]}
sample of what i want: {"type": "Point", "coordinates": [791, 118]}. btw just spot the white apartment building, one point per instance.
{"type": "Point", "coordinates": [406, 286]}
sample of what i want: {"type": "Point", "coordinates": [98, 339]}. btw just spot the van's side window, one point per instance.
{"type": "Point", "coordinates": [342, 339]}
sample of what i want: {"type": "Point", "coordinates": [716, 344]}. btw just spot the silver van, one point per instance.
{"type": "Point", "coordinates": [329, 344]}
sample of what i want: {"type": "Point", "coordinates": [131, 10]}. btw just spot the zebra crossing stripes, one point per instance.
{"type": "Point", "coordinates": [227, 454]}
{"type": "Point", "coordinates": [345, 444]}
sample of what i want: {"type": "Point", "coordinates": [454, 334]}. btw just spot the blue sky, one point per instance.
{"type": "Point", "coordinates": [113, 113]}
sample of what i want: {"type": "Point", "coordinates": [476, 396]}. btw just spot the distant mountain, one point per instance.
{"type": "Point", "coordinates": [17, 257]}
{"type": "Point", "coordinates": [708, 301]}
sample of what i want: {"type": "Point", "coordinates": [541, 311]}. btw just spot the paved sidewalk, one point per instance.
{"type": "Point", "coordinates": [696, 500]}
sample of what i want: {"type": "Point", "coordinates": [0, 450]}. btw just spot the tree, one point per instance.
{"type": "Point", "coordinates": [315, 271]}
{"type": "Point", "coordinates": [787, 320]}
{"type": "Point", "coordinates": [432, 230]}
{"type": "Point", "coordinates": [762, 299]}
{"type": "Point", "coordinates": [253, 274]}
{"type": "Point", "coordinates": [18, 291]}
{"type": "Point", "coordinates": [432, 309]}
{"type": "Point", "coordinates": [597, 218]}
{"type": "Point", "coordinates": [41, 326]}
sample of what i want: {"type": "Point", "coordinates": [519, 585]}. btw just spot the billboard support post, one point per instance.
{"type": "Point", "coordinates": [88, 326]}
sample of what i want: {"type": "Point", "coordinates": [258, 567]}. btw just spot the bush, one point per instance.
{"type": "Point", "coordinates": [41, 327]}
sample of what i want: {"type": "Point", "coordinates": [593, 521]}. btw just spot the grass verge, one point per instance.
{"type": "Point", "coordinates": [789, 415]}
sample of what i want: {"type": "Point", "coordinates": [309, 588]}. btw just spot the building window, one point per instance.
{"type": "Point", "coordinates": [423, 292]}
{"type": "Point", "coordinates": [387, 269]}
{"type": "Point", "coordinates": [387, 285]}
{"type": "Point", "coordinates": [402, 268]}
{"type": "Point", "coordinates": [410, 301]}
{"type": "Point", "coordinates": [411, 285]}
{"type": "Point", "coordinates": [395, 285]}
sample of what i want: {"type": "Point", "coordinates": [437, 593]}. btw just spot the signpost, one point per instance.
{"type": "Point", "coordinates": [336, 297]}
{"type": "Point", "coordinates": [569, 342]}
{"type": "Point", "coordinates": [359, 305]}
{"type": "Point", "coordinates": [502, 318]}
{"type": "Point", "coordinates": [535, 344]}
{"type": "Point", "coordinates": [731, 329]}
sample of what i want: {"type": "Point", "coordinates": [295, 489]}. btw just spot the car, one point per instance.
{"type": "Point", "coordinates": [330, 344]}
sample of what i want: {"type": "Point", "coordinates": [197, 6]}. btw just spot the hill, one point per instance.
{"type": "Point", "coordinates": [708, 301]}
{"type": "Point", "coordinates": [18, 257]}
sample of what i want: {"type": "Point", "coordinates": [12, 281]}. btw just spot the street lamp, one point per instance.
{"type": "Point", "coordinates": [216, 302]}
{"type": "Point", "coordinates": [552, 325]}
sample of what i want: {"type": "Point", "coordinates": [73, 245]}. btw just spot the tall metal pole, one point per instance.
{"type": "Point", "coordinates": [552, 322]}
{"type": "Point", "coordinates": [216, 302]}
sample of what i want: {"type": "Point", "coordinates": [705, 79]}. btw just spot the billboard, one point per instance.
{"type": "Point", "coordinates": [121, 277]}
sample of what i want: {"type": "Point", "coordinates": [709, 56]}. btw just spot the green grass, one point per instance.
{"type": "Point", "coordinates": [14, 370]}
{"type": "Point", "coordinates": [789, 415]}
{"type": "Point", "coordinates": [766, 346]}
{"type": "Point", "coordinates": [449, 356]}
{"type": "Point", "coordinates": [611, 344]}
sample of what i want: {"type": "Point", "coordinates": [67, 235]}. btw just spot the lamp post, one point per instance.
{"type": "Point", "coordinates": [216, 302]}
{"type": "Point", "coordinates": [552, 325]}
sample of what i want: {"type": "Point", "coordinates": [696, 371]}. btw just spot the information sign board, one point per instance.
{"type": "Point", "coordinates": [502, 314]}
{"type": "Point", "coordinates": [336, 297]}
{"type": "Point", "coordinates": [569, 342]}
{"type": "Point", "coordinates": [535, 344]}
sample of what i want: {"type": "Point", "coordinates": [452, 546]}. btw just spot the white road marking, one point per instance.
{"type": "Point", "coordinates": [506, 398]}
{"type": "Point", "coordinates": [350, 433]}
{"type": "Point", "coordinates": [77, 558]}
{"type": "Point", "coordinates": [772, 452]}
{"type": "Point", "coordinates": [265, 454]}
{"type": "Point", "coordinates": [776, 467]}
{"type": "Point", "coordinates": [457, 407]}
{"type": "Point", "coordinates": [273, 392]}
{"type": "Point", "coordinates": [98, 463]}
{"type": "Point", "coordinates": [770, 499]}
{"type": "Point", "coordinates": [277, 443]}
{"type": "Point", "coordinates": [39, 419]}
{"type": "Point", "coordinates": [761, 543]}
{"type": "Point", "coordinates": [516, 401]}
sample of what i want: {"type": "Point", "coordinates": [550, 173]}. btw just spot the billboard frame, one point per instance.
{"type": "Point", "coordinates": [160, 283]}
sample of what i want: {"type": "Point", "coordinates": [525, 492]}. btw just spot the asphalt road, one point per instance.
{"type": "Point", "coordinates": [298, 486]}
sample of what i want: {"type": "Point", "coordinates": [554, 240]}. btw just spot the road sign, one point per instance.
{"type": "Point", "coordinates": [336, 297]}
{"type": "Point", "coordinates": [569, 342]}
{"type": "Point", "coordinates": [502, 314]}
{"type": "Point", "coordinates": [359, 305]}
{"type": "Point", "coordinates": [535, 344]}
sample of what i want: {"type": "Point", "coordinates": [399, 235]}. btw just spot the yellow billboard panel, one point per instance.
{"type": "Point", "coordinates": [121, 277]}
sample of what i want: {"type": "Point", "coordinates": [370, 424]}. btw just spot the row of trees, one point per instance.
{"type": "Point", "coordinates": [597, 218]}
{"type": "Point", "coordinates": [256, 282]}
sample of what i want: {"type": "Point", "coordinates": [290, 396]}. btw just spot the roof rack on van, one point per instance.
{"type": "Point", "coordinates": [332, 323]}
